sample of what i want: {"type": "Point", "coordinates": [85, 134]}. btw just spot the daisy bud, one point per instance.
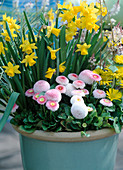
{"type": "Point", "coordinates": [90, 109]}
{"type": "Point", "coordinates": [69, 88]}
{"type": "Point", "coordinates": [40, 86]}
{"type": "Point", "coordinates": [36, 96]}
{"type": "Point", "coordinates": [62, 80]}
{"type": "Point", "coordinates": [106, 102]}
{"type": "Point", "coordinates": [42, 100]}
{"type": "Point", "coordinates": [73, 76]}
{"type": "Point", "coordinates": [76, 98]}
{"type": "Point", "coordinates": [98, 94]}
{"type": "Point", "coordinates": [53, 95]}
{"type": "Point", "coordinates": [61, 88]}
{"type": "Point", "coordinates": [52, 105]}
{"type": "Point", "coordinates": [79, 111]}
{"type": "Point", "coordinates": [78, 92]}
{"type": "Point", "coordinates": [79, 84]}
{"type": "Point", "coordinates": [29, 93]}
{"type": "Point", "coordinates": [85, 91]}
{"type": "Point", "coordinates": [15, 107]}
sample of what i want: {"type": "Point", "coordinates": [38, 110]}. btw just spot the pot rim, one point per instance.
{"type": "Point", "coordinates": [67, 136]}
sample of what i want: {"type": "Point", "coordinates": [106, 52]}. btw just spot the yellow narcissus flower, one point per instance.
{"type": "Point", "coordinates": [61, 67]}
{"type": "Point", "coordinates": [102, 10]}
{"type": "Point", "coordinates": [53, 52]}
{"type": "Point", "coordinates": [29, 59]}
{"type": "Point", "coordinates": [13, 25]}
{"type": "Point", "coordinates": [11, 70]}
{"type": "Point", "coordinates": [6, 35]}
{"type": "Point", "coordinates": [119, 59]}
{"type": "Point", "coordinates": [50, 15]}
{"type": "Point", "coordinates": [71, 31]}
{"type": "Point", "coordinates": [50, 73]}
{"type": "Point", "coordinates": [51, 29]}
{"type": "Point", "coordinates": [2, 48]}
{"type": "Point", "coordinates": [27, 47]}
{"type": "Point", "coordinates": [114, 94]}
{"type": "Point", "coordinates": [83, 48]}
{"type": "Point", "coordinates": [5, 19]}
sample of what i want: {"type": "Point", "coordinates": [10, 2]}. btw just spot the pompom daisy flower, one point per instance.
{"type": "Point", "coordinates": [69, 88]}
{"type": "Point", "coordinates": [61, 88]}
{"type": "Point", "coordinates": [40, 86]}
{"type": "Point", "coordinates": [77, 92]}
{"type": "Point", "coordinates": [62, 80]}
{"type": "Point", "coordinates": [98, 94]}
{"type": "Point", "coordinates": [76, 98]}
{"type": "Point", "coordinates": [73, 76]}
{"type": "Point", "coordinates": [36, 96]}
{"type": "Point", "coordinates": [42, 100]}
{"type": "Point", "coordinates": [85, 91]}
{"type": "Point", "coordinates": [106, 102]}
{"type": "Point", "coordinates": [53, 95]}
{"type": "Point", "coordinates": [52, 105]}
{"type": "Point", "coordinates": [79, 111]}
{"type": "Point", "coordinates": [79, 84]}
{"type": "Point", "coordinates": [29, 93]}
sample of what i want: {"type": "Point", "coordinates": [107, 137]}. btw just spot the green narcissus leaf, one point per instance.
{"type": "Point", "coordinates": [8, 109]}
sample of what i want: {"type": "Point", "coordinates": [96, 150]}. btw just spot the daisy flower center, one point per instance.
{"type": "Point", "coordinates": [30, 91]}
{"type": "Point", "coordinates": [95, 76]}
{"type": "Point", "coordinates": [106, 101]}
{"type": "Point", "coordinates": [42, 99]}
{"type": "Point", "coordinates": [99, 91]}
{"type": "Point", "coordinates": [52, 104]}
{"type": "Point", "coordinates": [74, 75]}
{"type": "Point", "coordinates": [60, 88]}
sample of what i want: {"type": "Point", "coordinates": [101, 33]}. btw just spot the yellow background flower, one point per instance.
{"type": "Point", "coordinates": [114, 94]}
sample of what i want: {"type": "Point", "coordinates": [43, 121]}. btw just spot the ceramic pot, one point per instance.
{"type": "Point", "coordinates": [68, 150]}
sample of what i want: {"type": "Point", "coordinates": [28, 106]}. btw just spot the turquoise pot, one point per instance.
{"type": "Point", "coordinates": [68, 151]}
{"type": "Point", "coordinates": [118, 17]}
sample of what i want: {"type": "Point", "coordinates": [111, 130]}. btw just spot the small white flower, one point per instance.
{"type": "Point", "coordinates": [79, 111]}
{"type": "Point", "coordinates": [76, 98]}
{"type": "Point", "coordinates": [69, 88]}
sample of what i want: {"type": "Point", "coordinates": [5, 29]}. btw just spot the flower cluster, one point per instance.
{"type": "Point", "coordinates": [115, 38]}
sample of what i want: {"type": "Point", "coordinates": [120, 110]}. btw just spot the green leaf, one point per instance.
{"type": "Point", "coordinates": [29, 27]}
{"type": "Point", "coordinates": [62, 44]}
{"type": "Point", "coordinates": [30, 130]}
{"type": "Point", "coordinates": [84, 134]}
{"type": "Point", "coordinates": [62, 116]}
{"type": "Point", "coordinates": [117, 125]}
{"type": "Point", "coordinates": [8, 109]}
{"type": "Point", "coordinates": [100, 122]}
{"type": "Point", "coordinates": [110, 109]}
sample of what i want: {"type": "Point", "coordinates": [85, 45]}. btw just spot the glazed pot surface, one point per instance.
{"type": "Point", "coordinates": [45, 151]}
